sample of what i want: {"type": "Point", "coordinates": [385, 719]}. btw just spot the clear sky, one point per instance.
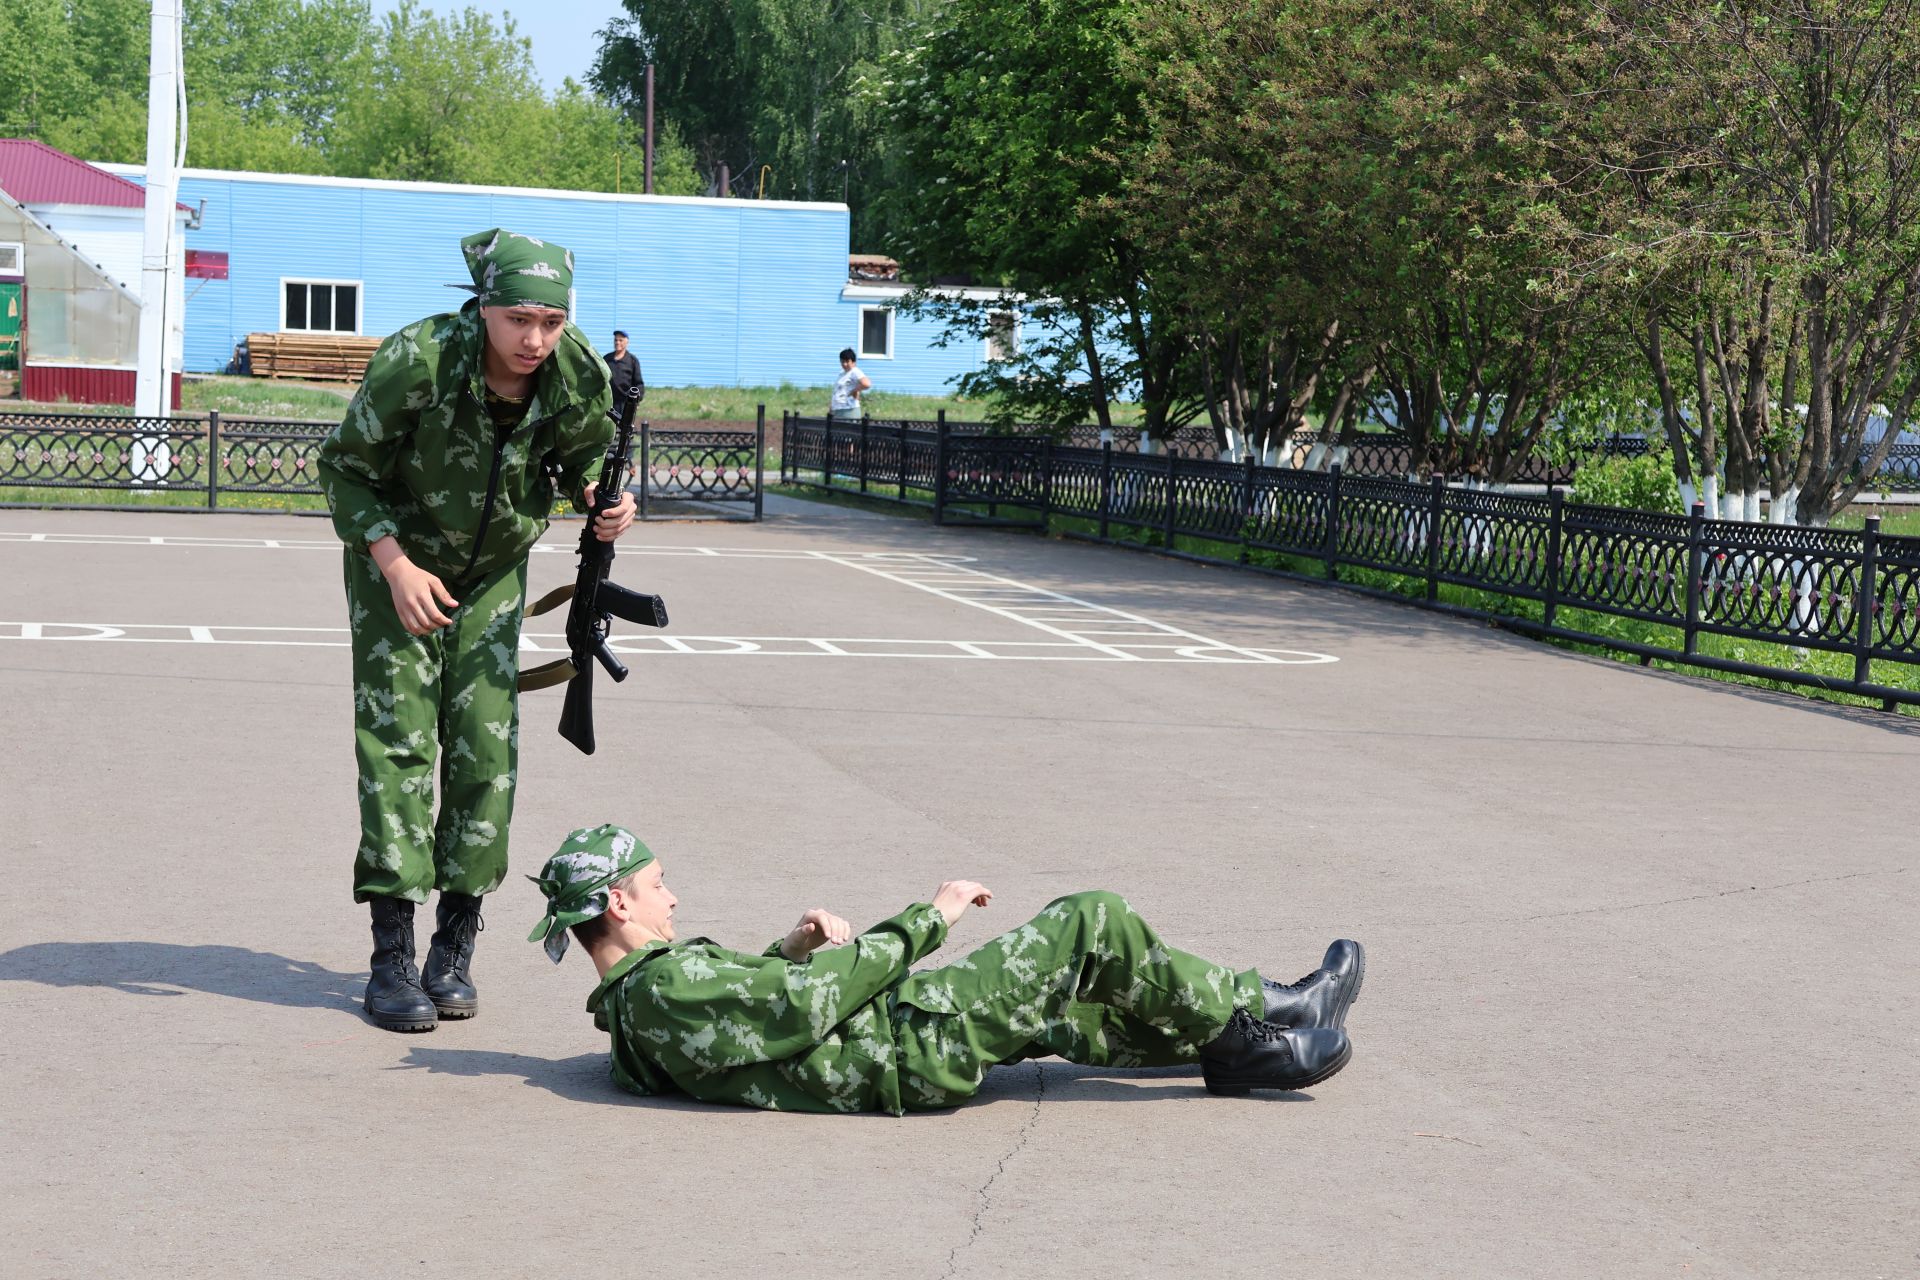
{"type": "Point", "coordinates": [562, 31]}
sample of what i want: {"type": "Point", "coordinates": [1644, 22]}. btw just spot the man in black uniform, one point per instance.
{"type": "Point", "coordinates": [624, 366]}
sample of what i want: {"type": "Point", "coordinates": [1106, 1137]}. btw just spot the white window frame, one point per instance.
{"type": "Point", "coordinates": [986, 343]}
{"type": "Point", "coordinates": [860, 334]}
{"type": "Point", "coordinates": [359, 302]}
{"type": "Point", "coordinates": [19, 258]}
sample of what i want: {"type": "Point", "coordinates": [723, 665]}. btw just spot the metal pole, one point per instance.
{"type": "Point", "coordinates": [1246, 509]}
{"type": "Point", "coordinates": [1167, 533]}
{"type": "Point", "coordinates": [1046, 483]}
{"type": "Point", "coordinates": [759, 459]}
{"type": "Point", "coordinates": [1696, 539]}
{"type": "Point", "coordinates": [940, 468]}
{"type": "Point", "coordinates": [213, 459]}
{"type": "Point", "coordinates": [1106, 484]}
{"type": "Point", "coordinates": [1866, 601]}
{"type": "Point", "coordinates": [1435, 510]}
{"type": "Point", "coordinates": [646, 465]}
{"type": "Point", "coordinates": [1330, 551]}
{"type": "Point", "coordinates": [726, 180]}
{"type": "Point", "coordinates": [1557, 517]}
{"type": "Point", "coordinates": [864, 442]}
{"type": "Point", "coordinates": [900, 433]}
{"type": "Point", "coordinates": [646, 183]}
{"type": "Point", "coordinates": [153, 379]}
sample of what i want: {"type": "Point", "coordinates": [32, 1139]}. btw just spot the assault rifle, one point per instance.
{"type": "Point", "coordinates": [596, 602]}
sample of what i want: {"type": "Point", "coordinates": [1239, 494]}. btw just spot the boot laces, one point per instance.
{"type": "Point", "coordinates": [1260, 1031]}
{"type": "Point", "coordinates": [1297, 987]}
{"type": "Point", "coordinates": [464, 925]}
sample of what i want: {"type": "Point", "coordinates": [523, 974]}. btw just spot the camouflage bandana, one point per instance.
{"type": "Point", "coordinates": [575, 880]}
{"type": "Point", "coordinates": [511, 270]}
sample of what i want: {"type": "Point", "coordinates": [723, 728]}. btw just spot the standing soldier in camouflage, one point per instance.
{"type": "Point", "coordinates": [811, 1024]}
{"type": "Point", "coordinates": [440, 479]}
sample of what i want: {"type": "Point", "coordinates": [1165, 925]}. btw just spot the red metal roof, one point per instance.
{"type": "Point", "coordinates": [35, 173]}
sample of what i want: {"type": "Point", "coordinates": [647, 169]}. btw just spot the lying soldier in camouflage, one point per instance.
{"type": "Point", "coordinates": [824, 1020]}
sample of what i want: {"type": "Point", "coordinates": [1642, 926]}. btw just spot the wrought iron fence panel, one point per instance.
{"type": "Point", "coordinates": [883, 454]}
{"type": "Point", "coordinates": [1207, 498]}
{"type": "Point", "coordinates": [708, 465]}
{"type": "Point", "coordinates": [1496, 540]}
{"type": "Point", "coordinates": [269, 455]}
{"type": "Point", "coordinates": [1289, 511]}
{"type": "Point", "coordinates": [1138, 494]}
{"type": "Point", "coordinates": [1632, 563]}
{"type": "Point", "coordinates": [1077, 482]}
{"type": "Point", "coordinates": [803, 445]}
{"type": "Point", "coordinates": [1383, 524]}
{"type": "Point", "coordinates": [1902, 465]}
{"type": "Point", "coordinates": [920, 459]}
{"type": "Point", "coordinates": [997, 470]}
{"type": "Point", "coordinates": [1896, 626]}
{"type": "Point", "coordinates": [95, 451]}
{"type": "Point", "coordinates": [1783, 583]}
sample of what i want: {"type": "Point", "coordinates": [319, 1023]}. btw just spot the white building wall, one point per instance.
{"type": "Point", "coordinates": [112, 239]}
{"type": "Point", "coordinates": [109, 238]}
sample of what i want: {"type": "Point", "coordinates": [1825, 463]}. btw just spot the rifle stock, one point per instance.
{"type": "Point", "coordinates": [576, 715]}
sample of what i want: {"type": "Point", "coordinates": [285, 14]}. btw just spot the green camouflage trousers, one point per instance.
{"type": "Point", "coordinates": [448, 698]}
{"type": "Point", "coordinates": [1086, 979]}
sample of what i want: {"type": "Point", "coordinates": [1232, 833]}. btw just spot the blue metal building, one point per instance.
{"type": "Point", "coordinates": [712, 292]}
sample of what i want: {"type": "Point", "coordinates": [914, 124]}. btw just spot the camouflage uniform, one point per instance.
{"type": "Point", "coordinates": [849, 1030]}
{"type": "Point", "coordinates": [418, 457]}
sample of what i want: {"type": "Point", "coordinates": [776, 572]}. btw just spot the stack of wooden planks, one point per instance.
{"type": "Point", "coordinates": [316, 356]}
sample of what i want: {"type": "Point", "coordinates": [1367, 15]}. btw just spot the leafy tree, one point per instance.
{"type": "Point", "coordinates": [1754, 172]}
{"type": "Point", "coordinates": [1012, 125]}
{"type": "Point", "coordinates": [43, 79]}
{"type": "Point", "coordinates": [753, 83]}
{"type": "Point", "coordinates": [290, 63]}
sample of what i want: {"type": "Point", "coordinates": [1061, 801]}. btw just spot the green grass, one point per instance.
{"type": "Point", "coordinates": [267, 398]}
{"type": "Point", "coordinates": [194, 498]}
{"type": "Point", "coordinates": [1812, 663]}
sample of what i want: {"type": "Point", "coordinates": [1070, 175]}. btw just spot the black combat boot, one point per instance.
{"type": "Point", "coordinates": [1321, 998]}
{"type": "Point", "coordinates": [456, 923]}
{"type": "Point", "coordinates": [1252, 1054]}
{"type": "Point", "coordinates": [394, 998]}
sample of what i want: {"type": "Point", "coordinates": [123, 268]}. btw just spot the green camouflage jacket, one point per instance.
{"type": "Point", "coordinates": [415, 455]}
{"type": "Point", "coordinates": [760, 1030]}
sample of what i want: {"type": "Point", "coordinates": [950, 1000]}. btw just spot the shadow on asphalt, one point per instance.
{"type": "Point", "coordinates": [1066, 1084]}
{"type": "Point", "coordinates": [578, 1079]}
{"type": "Point", "coordinates": [153, 968]}
{"type": "Point", "coordinates": [584, 1079]}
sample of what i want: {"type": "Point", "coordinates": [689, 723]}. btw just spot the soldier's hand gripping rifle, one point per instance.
{"type": "Point", "coordinates": [596, 602]}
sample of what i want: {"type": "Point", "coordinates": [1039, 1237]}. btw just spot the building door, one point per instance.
{"type": "Point", "coordinates": [12, 304]}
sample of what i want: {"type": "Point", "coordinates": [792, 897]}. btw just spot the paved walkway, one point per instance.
{"type": "Point", "coordinates": [1642, 955]}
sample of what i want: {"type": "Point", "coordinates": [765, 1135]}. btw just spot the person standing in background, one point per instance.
{"type": "Point", "coordinates": [624, 366]}
{"type": "Point", "coordinates": [848, 388]}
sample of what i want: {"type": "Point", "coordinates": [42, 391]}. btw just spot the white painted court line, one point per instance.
{"type": "Point", "coordinates": [333, 544]}
{"type": "Point", "coordinates": [1099, 627]}
{"type": "Point", "coordinates": [1103, 633]}
{"type": "Point", "coordinates": [664, 646]}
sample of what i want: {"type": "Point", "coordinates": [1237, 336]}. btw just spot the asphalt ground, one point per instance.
{"type": "Point", "coordinates": [1642, 949]}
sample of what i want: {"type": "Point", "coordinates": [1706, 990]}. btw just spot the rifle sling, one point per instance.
{"type": "Point", "coordinates": [553, 599]}
{"type": "Point", "coordinates": [548, 674]}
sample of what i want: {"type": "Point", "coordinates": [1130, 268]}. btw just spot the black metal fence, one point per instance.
{"type": "Point", "coordinates": [681, 466]}
{"type": "Point", "coordinates": [110, 454]}
{"type": "Point", "coordinates": [1852, 593]}
{"type": "Point", "coordinates": [99, 456]}
{"type": "Point", "coordinates": [1371, 453]}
